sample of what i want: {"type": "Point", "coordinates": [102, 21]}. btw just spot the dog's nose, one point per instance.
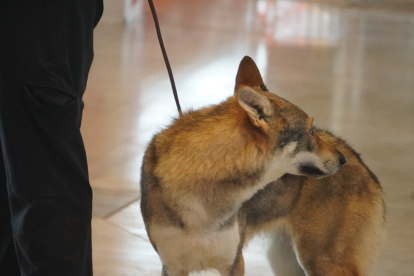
{"type": "Point", "coordinates": [342, 159]}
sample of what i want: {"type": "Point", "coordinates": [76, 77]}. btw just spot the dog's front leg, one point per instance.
{"type": "Point", "coordinates": [236, 269]}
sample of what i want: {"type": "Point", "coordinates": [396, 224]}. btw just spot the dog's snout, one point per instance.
{"type": "Point", "coordinates": [342, 159]}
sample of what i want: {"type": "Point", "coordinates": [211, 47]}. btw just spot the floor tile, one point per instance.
{"type": "Point", "coordinates": [117, 252]}
{"type": "Point", "coordinates": [109, 201]}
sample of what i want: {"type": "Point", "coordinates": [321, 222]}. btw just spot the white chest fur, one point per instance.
{"type": "Point", "coordinates": [184, 251]}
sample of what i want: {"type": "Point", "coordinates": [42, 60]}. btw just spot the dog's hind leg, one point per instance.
{"type": "Point", "coordinates": [339, 237]}
{"type": "Point", "coordinates": [331, 253]}
{"type": "Point", "coordinates": [342, 251]}
{"type": "Point", "coordinates": [282, 256]}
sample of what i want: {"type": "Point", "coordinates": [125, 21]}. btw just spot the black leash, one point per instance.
{"type": "Point", "coordinates": [164, 53]}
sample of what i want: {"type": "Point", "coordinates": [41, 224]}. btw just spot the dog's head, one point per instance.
{"type": "Point", "coordinates": [289, 130]}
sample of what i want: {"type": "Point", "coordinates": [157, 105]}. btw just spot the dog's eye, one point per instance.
{"type": "Point", "coordinates": [312, 132]}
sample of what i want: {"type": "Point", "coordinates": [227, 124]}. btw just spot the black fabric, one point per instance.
{"type": "Point", "coordinates": [46, 50]}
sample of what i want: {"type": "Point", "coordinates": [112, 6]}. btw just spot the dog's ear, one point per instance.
{"type": "Point", "coordinates": [255, 104]}
{"type": "Point", "coordinates": [249, 75]}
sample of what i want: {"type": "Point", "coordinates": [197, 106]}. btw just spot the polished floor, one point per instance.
{"type": "Point", "coordinates": [349, 66]}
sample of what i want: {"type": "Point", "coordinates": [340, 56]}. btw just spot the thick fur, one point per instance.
{"type": "Point", "coordinates": [329, 226]}
{"type": "Point", "coordinates": [200, 176]}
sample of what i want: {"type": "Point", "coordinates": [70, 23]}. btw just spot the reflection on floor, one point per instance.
{"type": "Point", "coordinates": [351, 68]}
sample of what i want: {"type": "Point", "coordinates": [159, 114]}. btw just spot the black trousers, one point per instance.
{"type": "Point", "coordinates": [46, 50]}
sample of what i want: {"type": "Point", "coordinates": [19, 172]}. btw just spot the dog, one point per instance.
{"type": "Point", "coordinates": [254, 164]}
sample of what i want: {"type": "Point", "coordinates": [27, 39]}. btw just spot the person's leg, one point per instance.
{"type": "Point", "coordinates": [47, 52]}
{"type": "Point", "coordinates": [8, 259]}
{"type": "Point", "coordinates": [49, 192]}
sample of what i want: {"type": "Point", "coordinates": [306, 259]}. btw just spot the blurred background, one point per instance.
{"type": "Point", "coordinates": [349, 64]}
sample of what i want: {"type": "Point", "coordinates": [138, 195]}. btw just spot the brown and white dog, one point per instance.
{"type": "Point", "coordinates": [205, 189]}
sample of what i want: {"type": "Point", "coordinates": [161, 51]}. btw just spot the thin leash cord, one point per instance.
{"type": "Point", "coordinates": [164, 54]}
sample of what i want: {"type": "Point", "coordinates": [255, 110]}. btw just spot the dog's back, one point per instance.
{"type": "Point", "coordinates": [198, 172]}
{"type": "Point", "coordinates": [332, 225]}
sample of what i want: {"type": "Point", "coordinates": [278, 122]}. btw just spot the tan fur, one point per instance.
{"type": "Point", "coordinates": [329, 226]}
{"type": "Point", "coordinates": [199, 171]}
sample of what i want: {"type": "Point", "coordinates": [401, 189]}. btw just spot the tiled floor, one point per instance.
{"type": "Point", "coordinates": [349, 66]}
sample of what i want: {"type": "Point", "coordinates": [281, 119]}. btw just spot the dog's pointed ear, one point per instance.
{"type": "Point", "coordinates": [249, 75]}
{"type": "Point", "coordinates": [256, 105]}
